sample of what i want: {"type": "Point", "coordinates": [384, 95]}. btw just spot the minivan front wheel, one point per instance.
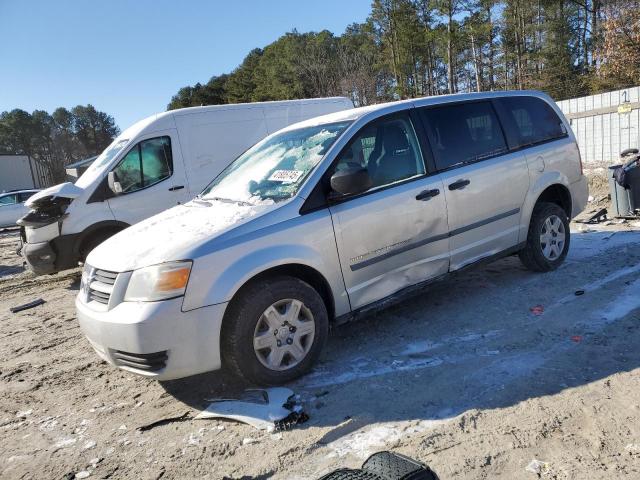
{"type": "Point", "coordinates": [548, 238]}
{"type": "Point", "coordinates": [274, 331]}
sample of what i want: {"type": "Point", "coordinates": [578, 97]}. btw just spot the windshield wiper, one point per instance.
{"type": "Point", "coordinates": [201, 201]}
{"type": "Point", "coordinates": [229, 200]}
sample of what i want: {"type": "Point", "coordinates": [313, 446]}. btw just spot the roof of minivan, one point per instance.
{"type": "Point", "coordinates": [381, 108]}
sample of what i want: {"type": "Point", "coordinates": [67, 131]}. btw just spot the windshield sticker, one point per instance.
{"type": "Point", "coordinates": [286, 176]}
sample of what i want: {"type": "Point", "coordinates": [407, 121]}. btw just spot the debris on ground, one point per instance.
{"type": "Point", "coordinates": [271, 409]}
{"type": "Point", "coordinates": [598, 217]}
{"type": "Point", "coordinates": [537, 466]}
{"type": "Point", "coordinates": [163, 421]}
{"type": "Point", "coordinates": [26, 306]}
{"type": "Point", "coordinates": [385, 465]}
{"type": "Point", "coordinates": [537, 310]}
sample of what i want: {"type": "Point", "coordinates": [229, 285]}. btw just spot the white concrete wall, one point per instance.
{"type": "Point", "coordinates": [15, 172]}
{"type": "Point", "coordinates": [602, 131]}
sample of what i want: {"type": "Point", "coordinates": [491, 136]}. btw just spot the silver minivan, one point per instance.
{"type": "Point", "coordinates": [325, 220]}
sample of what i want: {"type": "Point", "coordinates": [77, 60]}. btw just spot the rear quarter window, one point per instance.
{"type": "Point", "coordinates": [534, 119]}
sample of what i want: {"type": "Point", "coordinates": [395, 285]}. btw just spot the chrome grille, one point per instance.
{"type": "Point", "coordinates": [101, 285]}
{"type": "Point", "coordinates": [105, 277]}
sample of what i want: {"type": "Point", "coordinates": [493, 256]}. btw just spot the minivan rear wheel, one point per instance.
{"type": "Point", "coordinates": [548, 238]}
{"type": "Point", "coordinates": [274, 330]}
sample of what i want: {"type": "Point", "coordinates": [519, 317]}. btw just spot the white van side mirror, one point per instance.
{"type": "Point", "coordinates": [114, 185]}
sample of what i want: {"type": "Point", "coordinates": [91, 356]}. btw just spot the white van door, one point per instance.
{"type": "Point", "coordinates": [151, 177]}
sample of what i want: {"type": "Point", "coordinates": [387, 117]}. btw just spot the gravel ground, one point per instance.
{"type": "Point", "coordinates": [467, 377]}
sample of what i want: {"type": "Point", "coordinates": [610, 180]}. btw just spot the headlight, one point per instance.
{"type": "Point", "coordinates": [84, 282]}
{"type": "Point", "coordinates": [159, 282]}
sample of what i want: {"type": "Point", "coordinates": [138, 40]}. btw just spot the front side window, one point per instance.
{"type": "Point", "coordinates": [388, 149]}
{"type": "Point", "coordinates": [275, 168]}
{"type": "Point", "coordinates": [7, 200]}
{"type": "Point", "coordinates": [463, 133]}
{"type": "Point", "coordinates": [146, 164]}
{"type": "Point", "coordinates": [535, 120]}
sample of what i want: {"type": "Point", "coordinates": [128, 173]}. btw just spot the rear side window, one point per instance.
{"type": "Point", "coordinates": [535, 120]}
{"type": "Point", "coordinates": [463, 133]}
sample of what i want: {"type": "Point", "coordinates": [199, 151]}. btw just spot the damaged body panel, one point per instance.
{"type": "Point", "coordinates": [44, 248]}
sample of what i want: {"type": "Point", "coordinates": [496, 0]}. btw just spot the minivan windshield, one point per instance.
{"type": "Point", "coordinates": [275, 168]}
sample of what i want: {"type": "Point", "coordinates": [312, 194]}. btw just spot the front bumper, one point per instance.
{"type": "Point", "coordinates": [40, 257]}
{"type": "Point", "coordinates": [51, 256]}
{"type": "Point", "coordinates": [155, 339]}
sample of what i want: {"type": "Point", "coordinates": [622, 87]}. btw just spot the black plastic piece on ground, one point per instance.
{"type": "Point", "coordinates": [599, 216]}
{"type": "Point", "coordinates": [290, 421]}
{"type": "Point", "coordinates": [26, 306]}
{"type": "Point", "coordinates": [385, 466]}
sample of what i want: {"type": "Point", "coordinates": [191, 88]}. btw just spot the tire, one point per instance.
{"type": "Point", "coordinates": [251, 320]}
{"type": "Point", "coordinates": [540, 256]}
{"type": "Point", "coordinates": [94, 241]}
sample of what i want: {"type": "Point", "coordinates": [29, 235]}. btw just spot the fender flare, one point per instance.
{"type": "Point", "coordinates": [543, 182]}
{"type": "Point", "coordinates": [90, 230]}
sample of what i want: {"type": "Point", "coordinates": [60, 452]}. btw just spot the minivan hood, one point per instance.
{"type": "Point", "coordinates": [63, 190]}
{"type": "Point", "coordinates": [172, 234]}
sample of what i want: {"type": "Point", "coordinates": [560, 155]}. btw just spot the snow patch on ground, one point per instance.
{"type": "Point", "coordinates": [622, 305]}
{"type": "Point", "coordinates": [417, 353]}
{"type": "Point", "coordinates": [586, 245]}
{"type": "Point", "coordinates": [366, 441]}
{"type": "Point", "coordinates": [593, 286]}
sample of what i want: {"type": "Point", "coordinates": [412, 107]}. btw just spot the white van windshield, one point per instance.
{"type": "Point", "coordinates": [103, 159]}
{"type": "Point", "coordinates": [275, 168]}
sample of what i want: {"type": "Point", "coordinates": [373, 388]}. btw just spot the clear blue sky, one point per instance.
{"type": "Point", "coordinates": [128, 58]}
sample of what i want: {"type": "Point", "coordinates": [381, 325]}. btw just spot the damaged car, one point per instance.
{"type": "Point", "coordinates": [326, 220]}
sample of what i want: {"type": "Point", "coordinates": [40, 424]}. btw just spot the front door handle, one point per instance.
{"type": "Point", "coordinates": [427, 194]}
{"type": "Point", "coordinates": [459, 185]}
{"type": "Point", "coordinates": [176, 187]}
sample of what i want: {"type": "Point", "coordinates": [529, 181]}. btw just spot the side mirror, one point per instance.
{"type": "Point", "coordinates": [351, 181]}
{"type": "Point", "coordinates": [114, 185]}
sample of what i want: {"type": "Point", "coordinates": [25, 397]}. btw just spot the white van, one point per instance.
{"type": "Point", "coordinates": [157, 163]}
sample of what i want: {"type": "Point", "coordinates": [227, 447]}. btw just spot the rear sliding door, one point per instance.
{"type": "Point", "coordinates": [484, 184]}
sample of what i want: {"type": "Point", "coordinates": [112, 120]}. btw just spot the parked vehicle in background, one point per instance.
{"type": "Point", "coordinates": [159, 162]}
{"type": "Point", "coordinates": [327, 219]}
{"type": "Point", "coordinates": [12, 206]}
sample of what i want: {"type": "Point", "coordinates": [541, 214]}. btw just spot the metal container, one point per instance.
{"type": "Point", "coordinates": [620, 198]}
